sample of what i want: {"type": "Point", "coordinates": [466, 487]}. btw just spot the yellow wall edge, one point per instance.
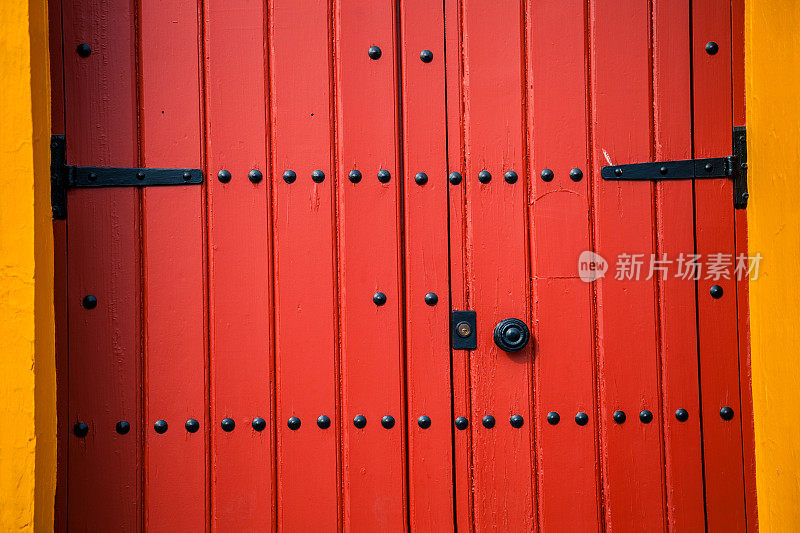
{"type": "Point", "coordinates": [772, 65]}
{"type": "Point", "coordinates": [27, 370]}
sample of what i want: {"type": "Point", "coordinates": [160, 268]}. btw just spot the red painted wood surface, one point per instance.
{"type": "Point", "coordinates": [627, 323]}
{"type": "Point", "coordinates": [373, 460]}
{"type": "Point", "coordinates": [239, 266]}
{"type": "Point", "coordinates": [568, 491]}
{"type": "Point", "coordinates": [173, 270]}
{"type": "Point", "coordinates": [306, 329]}
{"type": "Point", "coordinates": [674, 219]}
{"type": "Point", "coordinates": [743, 284]}
{"type": "Point", "coordinates": [247, 300]}
{"type": "Point", "coordinates": [60, 299]}
{"type": "Point", "coordinates": [105, 468]}
{"type": "Point", "coordinates": [430, 464]}
{"type": "Point", "coordinates": [496, 262]}
{"type": "Point", "coordinates": [717, 318]}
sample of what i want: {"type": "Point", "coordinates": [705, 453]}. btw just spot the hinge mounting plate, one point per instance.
{"type": "Point", "coordinates": [64, 176]}
{"type": "Point", "coordinates": [733, 166]}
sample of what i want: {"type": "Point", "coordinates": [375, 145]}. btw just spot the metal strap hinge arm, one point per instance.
{"type": "Point", "coordinates": [733, 166]}
{"type": "Point", "coordinates": [64, 176]}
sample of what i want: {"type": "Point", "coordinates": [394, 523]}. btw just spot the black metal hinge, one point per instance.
{"type": "Point", "coordinates": [733, 166]}
{"type": "Point", "coordinates": [64, 176]}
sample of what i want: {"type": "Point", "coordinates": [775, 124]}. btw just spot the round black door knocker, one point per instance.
{"type": "Point", "coordinates": [511, 335]}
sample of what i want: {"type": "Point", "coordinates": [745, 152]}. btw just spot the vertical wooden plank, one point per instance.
{"type": "Point", "coordinates": [628, 371]}
{"type": "Point", "coordinates": [497, 263]}
{"type": "Point", "coordinates": [717, 317]}
{"type": "Point", "coordinates": [675, 236]}
{"type": "Point", "coordinates": [104, 485]}
{"type": "Point", "coordinates": [305, 272]}
{"type": "Point", "coordinates": [427, 304]}
{"type": "Point", "coordinates": [370, 254]}
{"type": "Point", "coordinates": [239, 270]}
{"type": "Point", "coordinates": [174, 269]}
{"type": "Point", "coordinates": [743, 283]}
{"type": "Point", "coordinates": [462, 438]}
{"type": "Point", "coordinates": [567, 460]}
{"type": "Point", "coordinates": [60, 297]}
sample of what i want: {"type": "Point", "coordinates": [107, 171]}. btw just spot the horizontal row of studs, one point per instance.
{"type": "Point", "coordinates": [379, 298]}
{"type": "Point", "coordinates": [421, 178]}
{"type": "Point", "coordinates": [360, 421]}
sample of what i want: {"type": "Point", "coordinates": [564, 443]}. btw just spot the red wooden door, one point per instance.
{"type": "Point", "coordinates": [271, 349]}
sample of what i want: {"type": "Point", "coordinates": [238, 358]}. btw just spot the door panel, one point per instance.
{"type": "Point", "coordinates": [306, 347]}
{"type": "Point", "coordinates": [496, 263]}
{"type": "Point", "coordinates": [370, 167]}
{"type": "Point", "coordinates": [371, 297]}
{"type": "Point", "coordinates": [172, 242]}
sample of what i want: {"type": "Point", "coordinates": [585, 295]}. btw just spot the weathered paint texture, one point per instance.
{"type": "Point", "coordinates": [27, 363]}
{"type": "Point", "coordinates": [773, 122]}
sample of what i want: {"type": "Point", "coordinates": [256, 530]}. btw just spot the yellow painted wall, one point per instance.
{"type": "Point", "coordinates": [773, 123]}
{"type": "Point", "coordinates": [27, 362]}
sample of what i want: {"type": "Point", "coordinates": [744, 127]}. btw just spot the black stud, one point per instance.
{"type": "Point", "coordinates": [323, 422]}
{"type": "Point", "coordinates": [224, 176]}
{"type": "Point", "coordinates": [123, 427]}
{"type": "Point", "coordinates": [510, 176]}
{"type": "Point", "coordinates": [715, 292]}
{"type": "Point", "coordinates": [160, 426]}
{"type": "Point", "coordinates": [192, 425]}
{"type": "Point", "coordinates": [553, 418]}
{"type": "Point", "coordinates": [712, 48]}
{"type": "Point", "coordinates": [289, 176]}
{"type": "Point", "coordinates": [360, 421]}
{"type": "Point", "coordinates": [455, 178]}
{"type": "Point", "coordinates": [374, 52]}
{"type": "Point", "coordinates": [619, 417]}
{"type": "Point", "coordinates": [426, 56]}
{"type": "Point", "coordinates": [80, 429]}
{"type": "Point", "coordinates": [484, 176]}
{"type": "Point", "coordinates": [89, 302]}
{"type": "Point", "coordinates": [318, 176]}
{"type": "Point", "coordinates": [259, 424]}
{"type": "Point", "coordinates": [354, 176]}
{"type": "Point", "coordinates": [682, 415]}
{"type": "Point", "coordinates": [227, 424]}
{"type": "Point", "coordinates": [379, 298]}
{"type": "Point", "coordinates": [726, 413]}
{"type": "Point", "coordinates": [421, 178]}
{"type": "Point", "coordinates": [93, 176]}
{"type": "Point", "coordinates": [488, 421]}
{"type": "Point", "coordinates": [293, 423]}
{"type": "Point", "coordinates": [576, 174]}
{"type": "Point", "coordinates": [547, 175]}
{"type": "Point", "coordinates": [187, 176]}
{"type": "Point", "coordinates": [462, 423]}
{"type": "Point", "coordinates": [424, 422]}
{"type": "Point", "coordinates": [581, 419]}
{"type": "Point", "coordinates": [387, 421]}
{"type": "Point", "coordinates": [139, 176]}
{"type": "Point", "coordinates": [254, 175]}
{"type": "Point", "coordinates": [646, 416]}
{"type": "Point", "coordinates": [663, 171]}
{"type": "Point", "coordinates": [516, 421]}
{"type": "Point", "coordinates": [384, 176]}
{"type": "Point", "coordinates": [431, 298]}
{"type": "Point", "coordinates": [709, 167]}
{"type": "Point", "coordinates": [618, 171]}
{"type": "Point", "coordinates": [84, 50]}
